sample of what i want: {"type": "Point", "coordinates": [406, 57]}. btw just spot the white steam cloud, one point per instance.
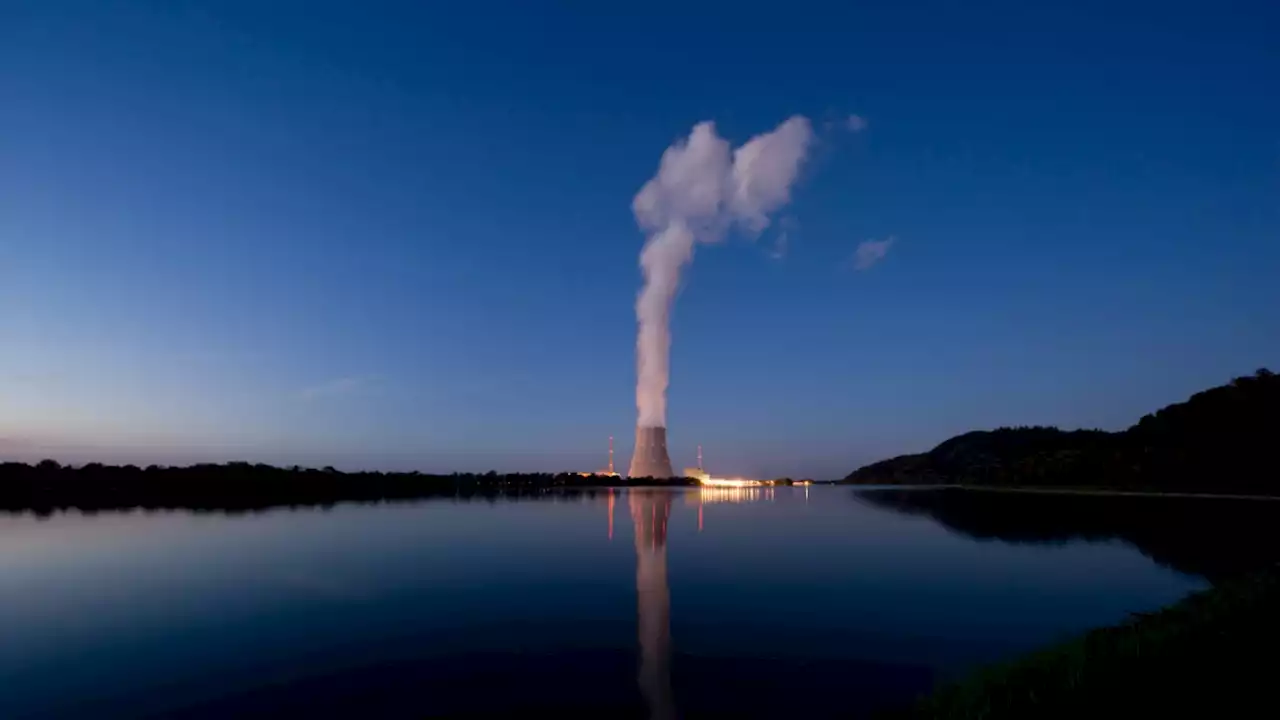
{"type": "Point", "coordinates": [701, 191]}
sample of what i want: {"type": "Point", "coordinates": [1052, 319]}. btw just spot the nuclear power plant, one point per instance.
{"type": "Point", "coordinates": [650, 458]}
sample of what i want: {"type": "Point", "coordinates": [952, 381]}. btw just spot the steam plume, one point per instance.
{"type": "Point", "coordinates": [700, 193]}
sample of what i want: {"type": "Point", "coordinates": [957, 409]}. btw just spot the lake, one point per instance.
{"type": "Point", "coordinates": [634, 603]}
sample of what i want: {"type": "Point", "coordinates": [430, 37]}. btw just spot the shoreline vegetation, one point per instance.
{"type": "Point", "coordinates": [1222, 441]}
{"type": "Point", "coordinates": [48, 487]}
{"type": "Point", "coordinates": [1208, 655]}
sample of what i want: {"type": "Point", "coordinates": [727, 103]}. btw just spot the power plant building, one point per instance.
{"type": "Point", "coordinates": [697, 473]}
{"type": "Point", "coordinates": [650, 458]}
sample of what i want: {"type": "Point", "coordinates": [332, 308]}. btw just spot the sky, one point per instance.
{"type": "Point", "coordinates": [400, 235]}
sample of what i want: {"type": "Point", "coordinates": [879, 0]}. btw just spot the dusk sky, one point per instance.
{"type": "Point", "coordinates": [400, 235]}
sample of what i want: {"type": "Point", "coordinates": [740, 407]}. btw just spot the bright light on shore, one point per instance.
{"type": "Point", "coordinates": [709, 495]}
{"type": "Point", "coordinates": [729, 482]}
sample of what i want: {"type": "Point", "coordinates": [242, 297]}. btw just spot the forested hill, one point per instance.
{"type": "Point", "coordinates": [1225, 439]}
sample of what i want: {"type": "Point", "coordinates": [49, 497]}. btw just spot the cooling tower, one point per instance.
{"type": "Point", "coordinates": [650, 458]}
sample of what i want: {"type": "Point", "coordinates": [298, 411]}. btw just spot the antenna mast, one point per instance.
{"type": "Point", "coordinates": [610, 454]}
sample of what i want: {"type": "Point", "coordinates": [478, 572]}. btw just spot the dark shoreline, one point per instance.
{"type": "Point", "coordinates": [1204, 656]}
{"type": "Point", "coordinates": [48, 487]}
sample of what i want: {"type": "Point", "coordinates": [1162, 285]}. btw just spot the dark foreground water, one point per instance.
{"type": "Point", "coordinates": [806, 602]}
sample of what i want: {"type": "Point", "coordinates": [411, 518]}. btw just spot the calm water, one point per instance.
{"type": "Point", "coordinates": [639, 603]}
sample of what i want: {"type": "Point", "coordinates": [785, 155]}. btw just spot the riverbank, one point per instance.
{"type": "Point", "coordinates": [1209, 655]}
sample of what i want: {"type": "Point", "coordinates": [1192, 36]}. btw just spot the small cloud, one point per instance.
{"type": "Point", "coordinates": [870, 252]}
{"type": "Point", "coordinates": [338, 387]}
{"type": "Point", "coordinates": [779, 250]}
{"type": "Point", "coordinates": [855, 123]}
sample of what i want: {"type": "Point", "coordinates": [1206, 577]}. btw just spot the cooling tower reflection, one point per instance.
{"type": "Point", "coordinates": [649, 513]}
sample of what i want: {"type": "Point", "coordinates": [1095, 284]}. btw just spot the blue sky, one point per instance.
{"type": "Point", "coordinates": [387, 235]}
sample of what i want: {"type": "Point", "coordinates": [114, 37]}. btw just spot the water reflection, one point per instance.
{"type": "Point", "coordinates": [650, 511]}
{"type": "Point", "coordinates": [1211, 537]}
{"type": "Point", "coordinates": [611, 503]}
{"type": "Point", "coordinates": [829, 606]}
{"type": "Point", "coordinates": [713, 495]}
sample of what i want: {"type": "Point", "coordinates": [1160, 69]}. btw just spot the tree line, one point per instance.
{"type": "Point", "coordinates": [49, 486]}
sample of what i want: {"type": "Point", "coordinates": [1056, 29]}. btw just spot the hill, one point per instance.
{"type": "Point", "coordinates": [1225, 439]}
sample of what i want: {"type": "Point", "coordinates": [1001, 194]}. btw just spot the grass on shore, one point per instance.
{"type": "Point", "coordinates": [1213, 654]}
